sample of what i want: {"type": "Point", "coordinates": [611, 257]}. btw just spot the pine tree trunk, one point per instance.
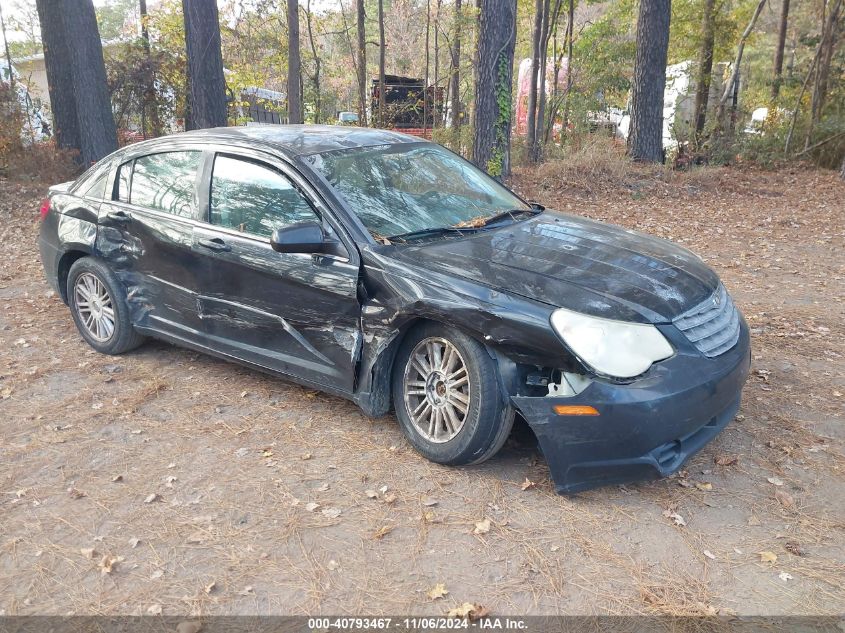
{"type": "Point", "coordinates": [827, 44]}
{"type": "Point", "coordinates": [188, 118]}
{"type": "Point", "coordinates": [557, 59]}
{"type": "Point", "coordinates": [437, 6]}
{"type": "Point", "coordinates": [59, 79]}
{"type": "Point", "coordinates": [645, 142]}
{"type": "Point", "coordinates": [539, 136]}
{"type": "Point", "coordinates": [97, 132]}
{"type": "Point", "coordinates": [536, 36]}
{"type": "Point", "coordinates": [381, 52]}
{"type": "Point", "coordinates": [426, 100]}
{"type": "Point", "coordinates": [149, 108]}
{"type": "Point", "coordinates": [705, 71]}
{"type": "Point", "coordinates": [570, 31]}
{"type": "Point", "coordinates": [294, 64]}
{"type": "Point", "coordinates": [353, 53]}
{"type": "Point", "coordinates": [362, 63]}
{"type": "Point", "coordinates": [317, 63]}
{"type": "Point", "coordinates": [455, 90]}
{"type": "Point", "coordinates": [207, 94]}
{"type": "Point", "coordinates": [777, 78]}
{"type": "Point", "coordinates": [494, 85]}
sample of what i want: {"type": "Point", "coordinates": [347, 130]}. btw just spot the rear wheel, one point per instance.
{"type": "Point", "coordinates": [447, 397]}
{"type": "Point", "coordinates": [98, 305]}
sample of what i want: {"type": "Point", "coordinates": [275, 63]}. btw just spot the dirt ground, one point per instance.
{"type": "Point", "coordinates": [164, 481]}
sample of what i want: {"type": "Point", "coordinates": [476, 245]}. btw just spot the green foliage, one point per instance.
{"type": "Point", "coordinates": [10, 125]}
{"type": "Point", "coordinates": [504, 103]}
{"type": "Point", "coordinates": [496, 163]}
{"type": "Point", "coordinates": [768, 147]}
{"type": "Point", "coordinates": [254, 43]}
{"type": "Point", "coordinates": [255, 46]}
{"type": "Point", "coordinates": [830, 132]}
{"type": "Point", "coordinates": [459, 140]}
{"type": "Point", "coordinates": [128, 70]}
{"type": "Point", "coordinates": [21, 159]}
{"type": "Point", "coordinates": [764, 149]}
{"type": "Point", "coordinates": [23, 18]}
{"type": "Point", "coordinates": [685, 35]}
{"type": "Point", "coordinates": [167, 32]}
{"type": "Point", "coordinates": [115, 17]}
{"type": "Point", "coordinates": [602, 64]}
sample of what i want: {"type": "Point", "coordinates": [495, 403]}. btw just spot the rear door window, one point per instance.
{"type": "Point", "coordinates": [166, 182]}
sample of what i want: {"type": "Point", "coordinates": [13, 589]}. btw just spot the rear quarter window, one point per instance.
{"type": "Point", "coordinates": [96, 189]}
{"type": "Point", "coordinates": [92, 184]}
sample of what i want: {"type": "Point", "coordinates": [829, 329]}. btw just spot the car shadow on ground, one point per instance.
{"type": "Point", "coordinates": [521, 449]}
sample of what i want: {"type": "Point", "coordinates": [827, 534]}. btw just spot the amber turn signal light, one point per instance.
{"type": "Point", "coordinates": [574, 409]}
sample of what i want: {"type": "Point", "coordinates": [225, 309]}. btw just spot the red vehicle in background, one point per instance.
{"type": "Point", "coordinates": [523, 88]}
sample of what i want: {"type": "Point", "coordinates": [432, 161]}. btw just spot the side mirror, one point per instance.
{"type": "Point", "coordinates": [305, 237]}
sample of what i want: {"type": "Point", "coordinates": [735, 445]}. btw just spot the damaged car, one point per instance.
{"type": "Point", "coordinates": [385, 269]}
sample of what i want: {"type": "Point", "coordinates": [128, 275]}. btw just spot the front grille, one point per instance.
{"type": "Point", "coordinates": [712, 326]}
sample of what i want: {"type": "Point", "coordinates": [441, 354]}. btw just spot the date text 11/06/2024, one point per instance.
{"type": "Point", "coordinates": [417, 623]}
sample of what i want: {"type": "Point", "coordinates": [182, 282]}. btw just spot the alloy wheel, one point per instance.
{"type": "Point", "coordinates": [437, 390]}
{"type": "Point", "coordinates": [94, 306]}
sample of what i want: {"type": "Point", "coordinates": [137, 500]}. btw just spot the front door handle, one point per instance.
{"type": "Point", "coordinates": [118, 216]}
{"type": "Point", "coordinates": [215, 244]}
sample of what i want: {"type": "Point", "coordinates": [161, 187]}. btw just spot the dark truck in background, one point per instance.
{"type": "Point", "coordinates": [410, 106]}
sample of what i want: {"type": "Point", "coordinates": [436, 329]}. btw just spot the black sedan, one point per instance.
{"type": "Point", "coordinates": [387, 270]}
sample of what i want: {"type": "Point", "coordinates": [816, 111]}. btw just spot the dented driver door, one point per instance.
{"type": "Point", "coordinates": [295, 313]}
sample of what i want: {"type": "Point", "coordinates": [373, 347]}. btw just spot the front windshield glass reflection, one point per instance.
{"type": "Point", "coordinates": [397, 189]}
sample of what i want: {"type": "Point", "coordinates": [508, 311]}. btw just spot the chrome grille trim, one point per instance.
{"type": "Point", "coordinates": [713, 325]}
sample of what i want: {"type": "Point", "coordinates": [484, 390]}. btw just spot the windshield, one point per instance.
{"type": "Point", "coordinates": [405, 188]}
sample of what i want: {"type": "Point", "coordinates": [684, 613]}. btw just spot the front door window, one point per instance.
{"type": "Point", "coordinates": [253, 198]}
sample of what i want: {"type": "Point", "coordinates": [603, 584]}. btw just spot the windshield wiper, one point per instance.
{"type": "Point", "coordinates": [436, 231]}
{"type": "Point", "coordinates": [470, 226]}
{"type": "Point", "coordinates": [511, 214]}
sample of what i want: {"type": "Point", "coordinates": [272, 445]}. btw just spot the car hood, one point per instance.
{"type": "Point", "coordinates": [571, 262]}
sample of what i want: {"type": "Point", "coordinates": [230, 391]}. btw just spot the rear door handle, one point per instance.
{"type": "Point", "coordinates": [215, 244]}
{"type": "Point", "coordinates": [118, 216]}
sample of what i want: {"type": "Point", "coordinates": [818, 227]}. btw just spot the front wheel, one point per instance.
{"type": "Point", "coordinates": [447, 397]}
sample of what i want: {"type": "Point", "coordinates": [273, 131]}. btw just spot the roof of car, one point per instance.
{"type": "Point", "coordinates": [298, 140]}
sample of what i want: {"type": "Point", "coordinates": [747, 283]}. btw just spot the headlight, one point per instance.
{"type": "Point", "coordinates": [613, 348]}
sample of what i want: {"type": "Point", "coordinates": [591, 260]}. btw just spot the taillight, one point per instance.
{"type": "Point", "coordinates": [45, 207]}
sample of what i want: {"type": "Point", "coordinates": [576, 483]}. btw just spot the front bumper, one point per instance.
{"type": "Point", "coordinates": [646, 429]}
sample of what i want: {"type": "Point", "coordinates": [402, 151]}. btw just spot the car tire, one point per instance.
{"type": "Point", "coordinates": [452, 410]}
{"type": "Point", "coordinates": [98, 305]}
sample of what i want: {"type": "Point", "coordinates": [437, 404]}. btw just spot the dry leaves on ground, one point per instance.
{"type": "Point", "coordinates": [677, 519]}
{"type": "Point", "coordinates": [468, 610]}
{"type": "Point", "coordinates": [768, 557]}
